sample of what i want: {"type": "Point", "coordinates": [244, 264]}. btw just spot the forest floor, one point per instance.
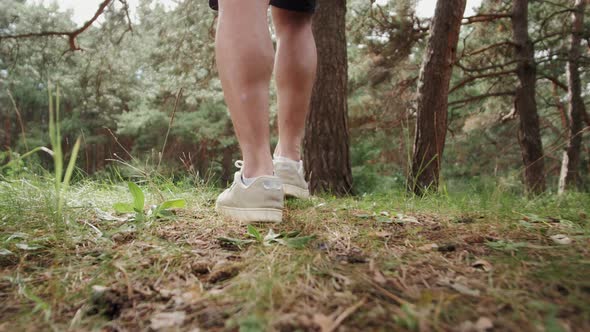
{"type": "Point", "coordinates": [470, 261]}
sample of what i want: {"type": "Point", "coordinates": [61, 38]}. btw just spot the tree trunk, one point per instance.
{"type": "Point", "coordinates": [433, 93]}
{"type": "Point", "coordinates": [570, 165]}
{"type": "Point", "coordinates": [529, 134]}
{"type": "Point", "coordinates": [326, 142]}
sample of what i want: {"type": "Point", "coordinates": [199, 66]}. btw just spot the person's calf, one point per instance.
{"type": "Point", "coordinates": [295, 67]}
{"type": "Point", "coordinates": [244, 55]}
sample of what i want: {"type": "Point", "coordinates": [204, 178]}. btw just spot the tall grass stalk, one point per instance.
{"type": "Point", "coordinates": [62, 180]}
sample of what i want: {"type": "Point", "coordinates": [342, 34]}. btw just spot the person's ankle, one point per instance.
{"type": "Point", "coordinates": [285, 159]}
{"type": "Point", "coordinates": [288, 154]}
{"type": "Point", "coordinates": [256, 171]}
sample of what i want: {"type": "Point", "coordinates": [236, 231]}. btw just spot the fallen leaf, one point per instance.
{"type": "Point", "coordinates": [483, 324]}
{"type": "Point", "coordinates": [99, 289]}
{"type": "Point", "coordinates": [5, 252]}
{"type": "Point", "coordinates": [164, 320]}
{"type": "Point", "coordinates": [403, 219]}
{"type": "Point", "coordinates": [561, 239]}
{"type": "Point", "coordinates": [25, 246]}
{"type": "Point", "coordinates": [270, 237]}
{"type": "Point", "coordinates": [17, 236]}
{"type": "Point", "coordinates": [459, 287]}
{"type": "Point", "coordinates": [105, 216]}
{"type": "Point", "coordinates": [323, 322]}
{"type": "Point", "coordinates": [482, 264]}
{"type": "Point", "coordinates": [428, 247]}
{"type": "Point", "coordinates": [189, 297]}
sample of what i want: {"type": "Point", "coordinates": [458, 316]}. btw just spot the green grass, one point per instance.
{"type": "Point", "coordinates": [387, 261]}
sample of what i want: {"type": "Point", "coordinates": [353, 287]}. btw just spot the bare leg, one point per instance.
{"type": "Point", "coordinates": [244, 54]}
{"type": "Point", "coordinates": [295, 69]}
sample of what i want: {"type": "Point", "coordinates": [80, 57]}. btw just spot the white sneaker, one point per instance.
{"type": "Point", "coordinates": [293, 177]}
{"type": "Point", "coordinates": [261, 201]}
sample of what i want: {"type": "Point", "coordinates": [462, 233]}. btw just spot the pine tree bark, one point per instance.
{"type": "Point", "coordinates": [326, 142]}
{"type": "Point", "coordinates": [433, 91]}
{"type": "Point", "coordinates": [570, 165]}
{"type": "Point", "coordinates": [529, 133]}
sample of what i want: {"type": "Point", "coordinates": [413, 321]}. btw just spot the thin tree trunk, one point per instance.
{"type": "Point", "coordinates": [570, 165]}
{"type": "Point", "coordinates": [326, 142]}
{"type": "Point", "coordinates": [529, 134]}
{"type": "Point", "coordinates": [433, 92]}
{"type": "Point", "coordinates": [8, 133]}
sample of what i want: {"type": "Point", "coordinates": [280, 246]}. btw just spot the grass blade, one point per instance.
{"type": "Point", "coordinates": [253, 232]}
{"type": "Point", "coordinates": [72, 163]}
{"type": "Point", "coordinates": [138, 197]}
{"type": "Point", "coordinates": [173, 204]}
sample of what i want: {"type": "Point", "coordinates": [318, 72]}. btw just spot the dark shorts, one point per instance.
{"type": "Point", "coordinates": [307, 6]}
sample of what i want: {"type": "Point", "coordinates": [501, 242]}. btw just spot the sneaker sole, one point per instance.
{"type": "Point", "coordinates": [294, 191]}
{"type": "Point", "coordinates": [251, 215]}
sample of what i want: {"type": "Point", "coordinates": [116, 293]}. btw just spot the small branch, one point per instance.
{"type": "Point", "coordinates": [480, 97]}
{"type": "Point", "coordinates": [586, 117]}
{"type": "Point", "coordinates": [555, 81]}
{"type": "Point", "coordinates": [71, 35]}
{"type": "Point", "coordinates": [482, 69]}
{"type": "Point", "coordinates": [20, 120]}
{"type": "Point", "coordinates": [476, 77]}
{"type": "Point", "coordinates": [126, 10]}
{"type": "Point", "coordinates": [484, 18]}
{"type": "Point", "coordinates": [170, 123]}
{"type": "Point", "coordinates": [487, 48]}
{"type": "Point", "coordinates": [545, 37]}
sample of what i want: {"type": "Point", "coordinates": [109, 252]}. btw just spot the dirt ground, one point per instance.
{"type": "Point", "coordinates": [354, 264]}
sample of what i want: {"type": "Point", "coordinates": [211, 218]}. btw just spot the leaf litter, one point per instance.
{"type": "Point", "coordinates": [324, 269]}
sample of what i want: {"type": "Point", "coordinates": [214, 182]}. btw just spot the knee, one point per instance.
{"type": "Point", "coordinates": [266, 59]}
{"type": "Point", "coordinates": [292, 24]}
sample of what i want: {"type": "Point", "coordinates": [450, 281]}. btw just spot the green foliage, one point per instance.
{"type": "Point", "coordinates": [61, 177]}
{"type": "Point", "coordinates": [147, 126]}
{"type": "Point", "coordinates": [253, 232]}
{"type": "Point", "coordinates": [204, 125]}
{"type": "Point", "coordinates": [40, 304]}
{"type": "Point", "coordinates": [251, 323]}
{"type": "Point", "coordinates": [12, 163]}
{"type": "Point", "coordinates": [137, 208]}
{"type": "Point", "coordinates": [369, 173]}
{"type": "Point", "coordinates": [266, 284]}
{"type": "Point", "coordinates": [408, 319]}
{"type": "Point", "coordinates": [126, 82]}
